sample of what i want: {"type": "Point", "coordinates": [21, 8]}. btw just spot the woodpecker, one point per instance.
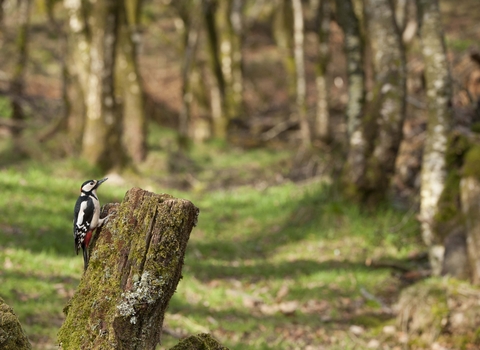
{"type": "Point", "coordinates": [87, 217]}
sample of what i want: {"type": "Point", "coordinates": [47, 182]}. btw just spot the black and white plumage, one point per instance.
{"type": "Point", "coordinates": [87, 216]}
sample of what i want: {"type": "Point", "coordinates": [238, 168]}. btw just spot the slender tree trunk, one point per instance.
{"type": "Point", "coordinates": [188, 11]}
{"type": "Point", "coordinates": [390, 92]}
{"type": "Point", "coordinates": [354, 49]}
{"type": "Point", "coordinates": [470, 193]}
{"type": "Point", "coordinates": [322, 122]}
{"type": "Point", "coordinates": [283, 34]}
{"type": "Point", "coordinates": [438, 91]}
{"type": "Point", "coordinates": [17, 83]}
{"type": "Point", "coordinates": [301, 83]}
{"type": "Point", "coordinates": [128, 82]}
{"type": "Point", "coordinates": [219, 113]}
{"type": "Point", "coordinates": [102, 135]}
{"type": "Point", "coordinates": [383, 117]}
{"type": "Point", "coordinates": [236, 24]}
{"type": "Point", "coordinates": [76, 70]}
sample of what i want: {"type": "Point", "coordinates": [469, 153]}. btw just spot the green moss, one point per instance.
{"type": "Point", "coordinates": [202, 341]}
{"type": "Point", "coordinates": [471, 166]}
{"type": "Point", "coordinates": [12, 336]}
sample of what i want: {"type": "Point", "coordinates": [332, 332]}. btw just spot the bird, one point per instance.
{"type": "Point", "coordinates": [87, 217]}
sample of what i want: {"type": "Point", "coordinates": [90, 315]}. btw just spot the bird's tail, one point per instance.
{"type": "Point", "coordinates": [86, 257]}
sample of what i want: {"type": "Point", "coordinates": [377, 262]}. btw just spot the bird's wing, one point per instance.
{"type": "Point", "coordinates": [83, 218]}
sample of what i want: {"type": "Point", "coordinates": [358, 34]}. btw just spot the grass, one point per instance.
{"type": "Point", "coordinates": [279, 265]}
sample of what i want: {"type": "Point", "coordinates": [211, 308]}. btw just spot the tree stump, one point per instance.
{"type": "Point", "coordinates": [135, 265]}
{"type": "Point", "coordinates": [12, 336]}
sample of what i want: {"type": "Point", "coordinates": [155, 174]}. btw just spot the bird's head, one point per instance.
{"type": "Point", "coordinates": [90, 186]}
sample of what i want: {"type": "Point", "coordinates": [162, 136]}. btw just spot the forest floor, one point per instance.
{"type": "Point", "coordinates": [278, 260]}
{"type": "Point", "coordinates": [272, 264]}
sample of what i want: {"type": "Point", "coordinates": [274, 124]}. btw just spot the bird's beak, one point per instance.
{"type": "Point", "coordinates": [101, 181]}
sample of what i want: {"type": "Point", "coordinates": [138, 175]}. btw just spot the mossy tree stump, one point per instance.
{"type": "Point", "coordinates": [135, 266]}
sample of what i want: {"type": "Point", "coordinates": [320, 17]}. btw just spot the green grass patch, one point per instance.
{"type": "Point", "coordinates": [268, 267]}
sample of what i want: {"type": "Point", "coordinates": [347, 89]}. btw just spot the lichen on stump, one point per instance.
{"type": "Point", "coordinates": [135, 266]}
{"type": "Point", "coordinates": [12, 336]}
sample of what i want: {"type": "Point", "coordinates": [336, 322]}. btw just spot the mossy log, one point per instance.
{"type": "Point", "coordinates": [12, 336]}
{"type": "Point", "coordinates": [202, 341]}
{"type": "Point", "coordinates": [135, 266]}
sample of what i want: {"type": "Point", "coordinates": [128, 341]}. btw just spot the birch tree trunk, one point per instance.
{"type": "Point", "coordinates": [16, 85]}
{"type": "Point", "coordinates": [283, 33]}
{"type": "Point", "coordinates": [128, 82]}
{"type": "Point", "coordinates": [301, 83]}
{"type": "Point", "coordinates": [102, 135]}
{"type": "Point", "coordinates": [322, 120]}
{"type": "Point", "coordinates": [187, 11]}
{"type": "Point", "coordinates": [135, 266]}
{"type": "Point", "coordinates": [76, 70]}
{"type": "Point", "coordinates": [357, 140]}
{"type": "Point", "coordinates": [386, 114]}
{"type": "Point", "coordinates": [438, 90]}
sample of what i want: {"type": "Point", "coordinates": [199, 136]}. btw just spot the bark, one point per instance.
{"type": "Point", "coordinates": [216, 78]}
{"type": "Point", "coordinates": [470, 193]}
{"type": "Point", "coordinates": [187, 11]}
{"type": "Point", "coordinates": [128, 82]}
{"type": "Point", "coordinates": [354, 48]}
{"type": "Point", "coordinates": [283, 34]}
{"type": "Point", "coordinates": [301, 83]}
{"type": "Point", "coordinates": [76, 70]}
{"type": "Point", "coordinates": [135, 265]}
{"type": "Point", "coordinates": [102, 135]}
{"type": "Point", "coordinates": [386, 114]}
{"type": "Point", "coordinates": [322, 122]}
{"type": "Point", "coordinates": [12, 336]}
{"type": "Point", "coordinates": [17, 83]}
{"type": "Point", "coordinates": [438, 91]}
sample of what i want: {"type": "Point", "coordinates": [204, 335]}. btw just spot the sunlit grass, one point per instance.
{"type": "Point", "coordinates": [255, 250]}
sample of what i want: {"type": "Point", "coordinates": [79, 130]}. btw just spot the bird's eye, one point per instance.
{"type": "Point", "coordinates": [92, 183]}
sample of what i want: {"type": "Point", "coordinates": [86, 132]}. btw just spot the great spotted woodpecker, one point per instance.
{"type": "Point", "coordinates": [87, 217]}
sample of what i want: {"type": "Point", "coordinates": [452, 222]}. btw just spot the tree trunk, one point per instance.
{"type": "Point", "coordinates": [322, 122]}
{"type": "Point", "coordinates": [384, 119]}
{"type": "Point", "coordinates": [135, 266]}
{"type": "Point", "coordinates": [357, 140]}
{"type": "Point", "coordinates": [16, 85]}
{"type": "Point", "coordinates": [438, 91]}
{"type": "Point", "coordinates": [102, 135]}
{"type": "Point", "coordinates": [301, 83]}
{"type": "Point", "coordinates": [12, 336]}
{"type": "Point", "coordinates": [76, 70]}
{"type": "Point", "coordinates": [283, 34]}
{"type": "Point", "coordinates": [188, 12]}
{"type": "Point", "coordinates": [128, 82]}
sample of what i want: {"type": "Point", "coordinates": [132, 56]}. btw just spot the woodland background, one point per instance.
{"type": "Point", "coordinates": [331, 146]}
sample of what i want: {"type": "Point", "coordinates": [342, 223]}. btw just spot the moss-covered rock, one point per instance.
{"type": "Point", "coordinates": [202, 341]}
{"type": "Point", "coordinates": [436, 307]}
{"type": "Point", "coordinates": [12, 336]}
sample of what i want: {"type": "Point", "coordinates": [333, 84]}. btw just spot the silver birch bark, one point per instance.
{"type": "Point", "coordinates": [322, 119]}
{"type": "Point", "coordinates": [387, 112]}
{"type": "Point", "coordinates": [299, 56]}
{"type": "Point", "coordinates": [438, 88]}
